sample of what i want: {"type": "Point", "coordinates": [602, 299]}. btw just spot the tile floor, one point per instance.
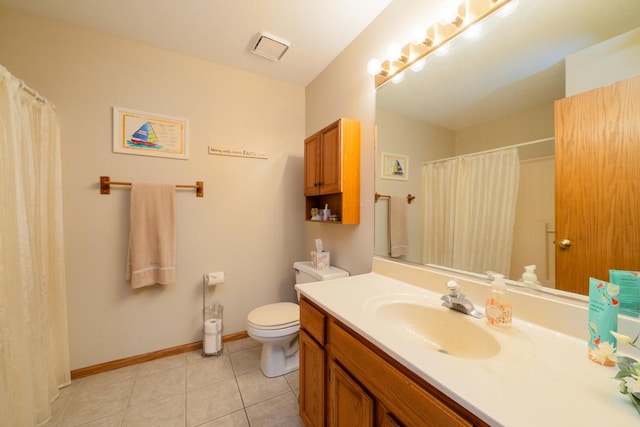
{"type": "Point", "coordinates": [183, 390]}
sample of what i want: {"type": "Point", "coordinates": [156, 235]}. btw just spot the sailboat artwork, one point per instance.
{"type": "Point", "coordinates": [150, 134]}
{"type": "Point", "coordinates": [397, 169]}
{"type": "Point", "coordinates": [395, 166]}
{"type": "Point", "coordinates": [145, 136]}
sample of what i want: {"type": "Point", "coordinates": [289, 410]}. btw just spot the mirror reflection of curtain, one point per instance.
{"type": "Point", "coordinates": [469, 211]}
{"type": "Point", "coordinates": [34, 348]}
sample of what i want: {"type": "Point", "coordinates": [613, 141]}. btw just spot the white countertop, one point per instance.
{"type": "Point", "coordinates": [539, 378]}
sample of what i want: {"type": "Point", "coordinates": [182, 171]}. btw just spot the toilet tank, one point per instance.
{"type": "Point", "coordinates": [305, 272]}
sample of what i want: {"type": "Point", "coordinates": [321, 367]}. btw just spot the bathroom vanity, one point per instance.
{"type": "Point", "coordinates": [379, 349]}
{"type": "Point", "coordinates": [362, 384]}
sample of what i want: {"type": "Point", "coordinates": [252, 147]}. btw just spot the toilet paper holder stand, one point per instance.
{"type": "Point", "coordinates": [211, 321]}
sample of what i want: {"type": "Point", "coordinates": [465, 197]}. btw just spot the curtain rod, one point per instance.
{"type": "Point", "coordinates": [34, 93]}
{"type": "Point", "coordinates": [522, 144]}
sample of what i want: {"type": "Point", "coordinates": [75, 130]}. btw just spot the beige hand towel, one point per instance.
{"type": "Point", "coordinates": [152, 235]}
{"type": "Point", "coordinates": [398, 235]}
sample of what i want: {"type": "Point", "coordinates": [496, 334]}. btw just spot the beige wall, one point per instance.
{"type": "Point", "coordinates": [249, 224]}
{"type": "Point", "coordinates": [605, 63]}
{"type": "Point", "coordinates": [530, 125]}
{"type": "Point", "coordinates": [419, 141]}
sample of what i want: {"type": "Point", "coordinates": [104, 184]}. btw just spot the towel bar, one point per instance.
{"type": "Point", "coordinates": [106, 183]}
{"type": "Point", "coordinates": [386, 196]}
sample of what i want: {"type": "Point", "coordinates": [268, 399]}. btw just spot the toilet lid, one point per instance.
{"type": "Point", "coordinates": [281, 314]}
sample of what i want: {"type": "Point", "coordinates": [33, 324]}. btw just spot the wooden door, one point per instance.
{"type": "Point", "coordinates": [311, 165]}
{"type": "Point", "coordinates": [330, 159]}
{"type": "Point", "coordinates": [597, 184]}
{"type": "Point", "coordinates": [349, 404]}
{"type": "Point", "coordinates": [312, 377]}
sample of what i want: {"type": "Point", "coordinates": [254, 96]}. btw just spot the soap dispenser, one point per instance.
{"type": "Point", "coordinates": [497, 307]}
{"type": "Point", "coordinates": [529, 277]}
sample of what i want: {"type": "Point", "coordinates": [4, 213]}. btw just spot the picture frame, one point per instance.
{"type": "Point", "coordinates": [395, 167]}
{"type": "Point", "coordinates": [150, 134]}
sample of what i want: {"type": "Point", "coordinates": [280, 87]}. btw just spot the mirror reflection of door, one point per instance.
{"type": "Point", "coordinates": [597, 184]}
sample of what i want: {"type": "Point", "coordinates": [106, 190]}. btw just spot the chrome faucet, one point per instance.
{"type": "Point", "coordinates": [457, 301]}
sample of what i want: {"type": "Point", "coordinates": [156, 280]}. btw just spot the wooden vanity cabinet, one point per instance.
{"type": "Point", "coordinates": [313, 364]}
{"type": "Point", "coordinates": [362, 385]}
{"type": "Point", "coordinates": [348, 403]}
{"type": "Point", "coordinates": [332, 170]}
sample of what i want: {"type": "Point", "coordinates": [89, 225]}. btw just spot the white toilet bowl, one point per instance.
{"type": "Point", "coordinates": [276, 327]}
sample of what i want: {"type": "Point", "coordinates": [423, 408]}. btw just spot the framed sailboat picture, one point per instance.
{"type": "Point", "coordinates": [395, 166]}
{"type": "Point", "coordinates": [149, 134]}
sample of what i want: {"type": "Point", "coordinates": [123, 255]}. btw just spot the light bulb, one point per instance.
{"type": "Point", "coordinates": [398, 78]}
{"type": "Point", "coordinates": [394, 51]}
{"type": "Point", "coordinates": [418, 35]}
{"type": "Point", "coordinates": [418, 65]}
{"type": "Point", "coordinates": [449, 12]}
{"type": "Point", "coordinates": [473, 31]}
{"type": "Point", "coordinates": [374, 66]}
{"type": "Point", "coordinates": [443, 50]}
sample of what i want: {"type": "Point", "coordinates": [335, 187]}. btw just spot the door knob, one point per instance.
{"type": "Point", "coordinates": [565, 243]}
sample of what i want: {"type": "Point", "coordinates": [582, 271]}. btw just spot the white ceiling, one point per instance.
{"type": "Point", "coordinates": [224, 31]}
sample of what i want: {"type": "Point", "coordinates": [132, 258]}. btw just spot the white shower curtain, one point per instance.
{"type": "Point", "coordinates": [34, 350]}
{"type": "Point", "coordinates": [469, 212]}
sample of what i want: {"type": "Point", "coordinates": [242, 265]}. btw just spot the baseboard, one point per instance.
{"type": "Point", "coordinates": [134, 360]}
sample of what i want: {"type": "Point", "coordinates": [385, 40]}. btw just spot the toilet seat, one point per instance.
{"type": "Point", "coordinates": [280, 315]}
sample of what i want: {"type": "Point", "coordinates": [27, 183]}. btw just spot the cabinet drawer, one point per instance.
{"type": "Point", "coordinates": [410, 403]}
{"type": "Point", "coordinates": [312, 320]}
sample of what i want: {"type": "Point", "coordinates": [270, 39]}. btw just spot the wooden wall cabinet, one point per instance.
{"type": "Point", "coordinates": [332, 170]}
{"type": "Point", "coordinates": [361, 385]}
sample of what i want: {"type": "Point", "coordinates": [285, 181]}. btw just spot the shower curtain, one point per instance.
{"type": "Point", "coordinates": [34, 350]}
{"type": "Point", "coordinates": [469, 212]}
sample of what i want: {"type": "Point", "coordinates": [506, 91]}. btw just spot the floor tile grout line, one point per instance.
{"type": "Point", "coordinates": [133, 386]}
{"type": "Point", "coordinates": [64, 408]}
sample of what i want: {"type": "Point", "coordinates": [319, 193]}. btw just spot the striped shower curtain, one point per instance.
{"type": "Point", "coordinates": [34, 347]}
{"type": "Point", "coordinates": [469, 213]}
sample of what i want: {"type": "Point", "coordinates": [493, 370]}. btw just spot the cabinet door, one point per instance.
{"type": "Point", "coordinates": [349, 404]}
{"type": "Point", "coordinates": [384, 417]}
{"type": "Point", "coordinates": [330, 159]}
{"type": "Point", "coordinates": [312, 375]}
{"type": "Point", "coordinates": [597, 175]}
{"type": "Point", "coordinates": [311, 165]}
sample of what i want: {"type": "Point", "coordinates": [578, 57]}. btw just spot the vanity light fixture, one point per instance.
{"type": "Point", "coordinates": [455, 21]}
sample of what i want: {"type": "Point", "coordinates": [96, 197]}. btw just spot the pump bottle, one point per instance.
{"type": "Point", "coordinates": [497, 307]}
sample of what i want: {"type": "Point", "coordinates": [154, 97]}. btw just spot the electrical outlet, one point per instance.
{"type": "Point", "coordinates": [216, 278]}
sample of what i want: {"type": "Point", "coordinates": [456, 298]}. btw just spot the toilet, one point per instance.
{"type": "Point", "coordinates": [276, 326]}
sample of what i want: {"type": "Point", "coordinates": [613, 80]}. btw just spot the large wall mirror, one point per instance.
{"type": "Point", "coordinates": [486, 93]}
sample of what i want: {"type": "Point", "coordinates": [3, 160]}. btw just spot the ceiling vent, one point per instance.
{"type": "Point", "coordinates": [270, 47]}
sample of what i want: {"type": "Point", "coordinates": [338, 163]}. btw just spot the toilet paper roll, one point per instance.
{"type": "Point", "coordinates": [208, 279]}
{"type": "Point", "coordinates": [211, 326]}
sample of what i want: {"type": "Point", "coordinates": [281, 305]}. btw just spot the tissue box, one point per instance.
{"type": "Point", "coordinates": [320, 260]}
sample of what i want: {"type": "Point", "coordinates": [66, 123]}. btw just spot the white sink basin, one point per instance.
{"type": "Point", "coordinates": [437, 328]}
